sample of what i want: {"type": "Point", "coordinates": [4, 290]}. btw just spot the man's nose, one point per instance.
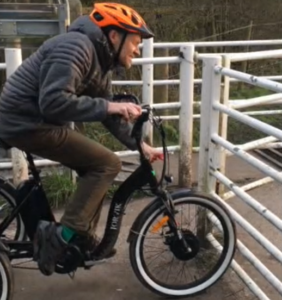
{"type": "Point", "coordinates": [137, 52]}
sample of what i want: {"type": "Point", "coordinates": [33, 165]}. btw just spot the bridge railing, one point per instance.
{"type": "Point", "coordinates": [214, 146]}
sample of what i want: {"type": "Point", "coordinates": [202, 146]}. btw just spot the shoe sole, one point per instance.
{"type": "Point", "coordinates": [43, 248]}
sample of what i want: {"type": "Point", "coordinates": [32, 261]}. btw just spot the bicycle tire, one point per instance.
{"type": "Point", "coordinates": [6, 277]}
{"type": "Point", "coordinates": [8, 193]}
{"type": "Point", "coordinates": [142, 224]}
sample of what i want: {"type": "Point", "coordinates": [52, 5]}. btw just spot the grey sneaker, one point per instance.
{"type": "Point", "coordinates": [48, 246]}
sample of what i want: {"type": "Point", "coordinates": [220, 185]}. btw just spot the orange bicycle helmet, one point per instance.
{"type": "Point", "coordinates": [120, 16]}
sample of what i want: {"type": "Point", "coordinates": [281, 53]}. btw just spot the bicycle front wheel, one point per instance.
{"type": "Point", "coordinates": [211, 249]}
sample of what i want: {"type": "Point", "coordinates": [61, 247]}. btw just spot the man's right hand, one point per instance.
{"type": "Point", "coordinates": [129, 111]}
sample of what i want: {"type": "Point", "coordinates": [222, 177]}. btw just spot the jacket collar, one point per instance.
{"type": "Point", "coordinates": [105, 53]}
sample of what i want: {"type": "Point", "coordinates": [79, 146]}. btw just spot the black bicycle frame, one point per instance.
{"type": "Point", "coordinates": [33, 206]}
{"type": "Point", "coordinates": [142, 176]}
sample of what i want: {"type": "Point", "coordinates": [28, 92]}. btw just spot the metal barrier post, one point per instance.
{"type": "Point", "coordinates": [13, 59]}
{"type": "Point", "coordinates": [209, 123]}
{"type": "Point", "coordinates": [209, 156]}
{"type": "Point", "coordinates": [148, 87]}
{"type": "Point", "coordinates": [186, 98]}
{"type": "Point", "coordinates": [223, 119]}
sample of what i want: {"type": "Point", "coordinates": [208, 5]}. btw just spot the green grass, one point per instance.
{"type": "Point", "coordinates": [59, 189]}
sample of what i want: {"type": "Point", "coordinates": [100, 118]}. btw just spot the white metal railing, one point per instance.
{"type": "Point", "coordinates": [148, 52]}
{"type": "Point", "coordinates": [214, 148]}
{"type": "Point", "coordinates": [213, 144]}
{"type": "Point", "coordinates": [13, 59]}
{"type": "Point", "coordinates": [147, 62]}
{"type": "Point", "coordinates": [217, 43]}
{"type": "Point", "coordinates": [185, 106]}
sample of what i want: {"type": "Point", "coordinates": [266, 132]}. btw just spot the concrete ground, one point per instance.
{"type": "Point", "coordinates": [115, 280]}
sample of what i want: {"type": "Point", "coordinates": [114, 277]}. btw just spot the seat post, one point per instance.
{"type": "Point", "coordinates": [31, 165]}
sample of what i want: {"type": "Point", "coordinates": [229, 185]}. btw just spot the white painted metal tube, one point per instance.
{"type": "Point", "coordinates": [252, 122]}
{"type": "Point", "coordinates": [251, 79]}
{"type": "Point", "coordinates": [262, 240]}
{"type": "Point", "coordinates": [249, 186]}
{"type": "Point", "coordinates": [254, 144]}
{"type": "Point", "coordinates": [263, 167]}
{"type": "Point", "coordinates": [243, 275]}
{"type": "Point", "coordinates": [267, 274]}
{"type": "Point", "coordinates": [255, 55]}
{"type": "Point", "coordinates": [156, 60]}
{"type": "Point", "coordinates": [248, 199]}
{"type": "Point", "coordinates": [218, 43]}
{"type": "Point", "coordinates": [263, 100]}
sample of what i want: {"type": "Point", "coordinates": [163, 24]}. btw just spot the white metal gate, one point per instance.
{"type": "Point", "coordinates": [214, 147]}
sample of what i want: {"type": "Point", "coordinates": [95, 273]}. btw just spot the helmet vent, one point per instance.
{"type": "Point", "coordinates": [124, 11]}
{"type": "Point", "coordinates": [134, 20]}
{"type": "Point", "coordinates": [112, 7]}
{"type": "Point", "coordinates": [98, 17]}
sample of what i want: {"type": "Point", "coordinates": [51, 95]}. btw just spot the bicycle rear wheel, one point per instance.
{"type": "Point", "coordinates": [16, 230]}
{"type": "Point", "coordinates": [6, 278]}
{"type": "Point", "coordinates": [201, 243]}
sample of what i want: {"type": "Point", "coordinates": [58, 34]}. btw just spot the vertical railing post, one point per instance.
{"type": "Point", "coordinates": [186, 98]}
{"type": "Point", "coordinates": [209, 156]}
{"type": "Point", "coordinates": [209, 122]}
{"type": "Point", "coordinates": [223, 119]}
{"type": "Point", "coordinates": [148, 87]}
{"type": "Point", "coordinates": [13, 59]}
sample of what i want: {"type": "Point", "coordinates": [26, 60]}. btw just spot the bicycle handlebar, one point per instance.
{"type": "Point", "coordinates": [138, 126]}
{"type": "Point", "coordinates": [137, 130]}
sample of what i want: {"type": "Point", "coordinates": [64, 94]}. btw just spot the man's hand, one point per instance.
{"type": "Point", "coordinates": [129, 111]}
{"type": "Point", "coordinates": [152, 153]}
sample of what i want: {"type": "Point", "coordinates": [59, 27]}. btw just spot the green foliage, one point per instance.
{"type": "Point", "coordinates": [58, 187]}
{"type": "Point", "coordinates": [239, 133]}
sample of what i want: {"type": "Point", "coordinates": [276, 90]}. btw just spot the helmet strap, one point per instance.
{"type": "Point", "coordinates": [124, 33]}
{"type": "Point", "coordinates": [120, 47]}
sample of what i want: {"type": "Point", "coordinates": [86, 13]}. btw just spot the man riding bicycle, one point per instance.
{"type": "Point", "coordinates": [68, 79]}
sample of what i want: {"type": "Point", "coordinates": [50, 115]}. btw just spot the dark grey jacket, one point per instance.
{"type": "Point", "coordinates": [68, 79]}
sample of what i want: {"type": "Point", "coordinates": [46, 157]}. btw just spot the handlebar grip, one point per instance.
{"type": "Point", "coordinates": [138, 126]}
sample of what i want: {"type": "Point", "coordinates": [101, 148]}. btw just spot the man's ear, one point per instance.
{"type": "Point", "coordinates": [114, 36]}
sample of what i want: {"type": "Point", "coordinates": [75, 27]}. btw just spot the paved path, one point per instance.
{"type": "Point", "coordinates": [116, 281]}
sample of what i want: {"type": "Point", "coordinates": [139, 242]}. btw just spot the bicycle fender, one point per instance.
{"type": "Point", "coordinates": [156, 202]}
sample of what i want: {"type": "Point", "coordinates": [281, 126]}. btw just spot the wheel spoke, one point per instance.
{"type": "Point", "coordinates": [167, 263]}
